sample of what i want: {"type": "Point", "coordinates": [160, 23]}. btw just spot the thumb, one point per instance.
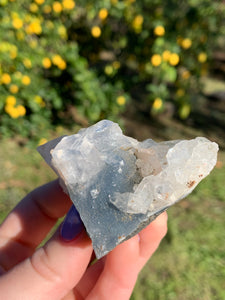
{"type": "Point", "coordinates": [51, 272]}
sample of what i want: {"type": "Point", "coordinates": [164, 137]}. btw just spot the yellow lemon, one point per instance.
{"type": "Point", "coordinates": [57, 7]}
{"type": "Point", "coordinates": [39, 2]}
{"type": "Point", "coordinates": [159, 30]}
{"type": "Point", "coordinates": [96, 31]}
{"type": "Point", "coordinates": [26, 80]}
{"type": "Point", "coordinates": [10, 100]}
{"type": "Point", "coordinates": [156, 60]}
{"type": "Point", "coordinates": [121, 100]}
{"type": "Point", "coordinates": [166, 55]}
{"type": "Point", "coordinates": [157, 104]}
{"type": "Point", "coordinates": [5, 79]}
{"type": "Point", "coordinates": [46, 62]}
{"type": "Point", "coordinates": [202, 57]}
{"type": "Point", "coordinates": [186, 43]}
{"type": "Point", "coordinates": [62, 65]}
{"type": "Point", "coordinates": [12, 111]}
{"type": "Point", "coordinates": [103, 14]}
{"type": "Point", "coordinates": [21, 110]}
{"type": "Point", "coordinates": [17, 23]}
{"type": "Point", "coordinates": [174, 59]}
{"type": "Point", "coordinates": [68, 4]}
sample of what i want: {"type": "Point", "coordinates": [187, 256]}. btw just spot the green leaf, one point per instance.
{"type": "Point", "coordinates": [184, 111]}
{"type": "Point", "coordinates": [170, 74]}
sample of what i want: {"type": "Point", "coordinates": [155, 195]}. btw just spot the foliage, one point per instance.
{"type": "Point", "coordinates": [62, 61]}
{"type": "Point", "coordinates": [162, 48]}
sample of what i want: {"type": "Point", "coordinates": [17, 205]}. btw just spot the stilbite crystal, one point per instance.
{"type": "Point", "coordinates": [119, 185]}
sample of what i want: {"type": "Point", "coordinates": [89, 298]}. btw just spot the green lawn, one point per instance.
{"type": "Point", "coordinates": [22, 169]}
{"type": "Point", "coordinates": [190, 263]}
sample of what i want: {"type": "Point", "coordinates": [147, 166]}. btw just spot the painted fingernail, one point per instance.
{"type": "Point", "coordinates": [72, 225]}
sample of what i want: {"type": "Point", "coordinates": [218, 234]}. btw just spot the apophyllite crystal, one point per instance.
{"type": "Point", "coordinates": [119, 185]}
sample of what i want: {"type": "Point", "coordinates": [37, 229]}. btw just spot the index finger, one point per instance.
{"type": "Point", "coordinates": [30, 221]}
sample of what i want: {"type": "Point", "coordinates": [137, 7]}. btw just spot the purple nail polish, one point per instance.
{"type": "Point", "coordinates": [72, 225]}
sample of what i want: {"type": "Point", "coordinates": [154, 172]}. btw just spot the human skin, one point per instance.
{"type": "Point", "coordinates": [62, 269]}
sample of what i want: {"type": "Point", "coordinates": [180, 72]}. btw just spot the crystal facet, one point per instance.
{"type": "Point", "coordinates": [120, 185]}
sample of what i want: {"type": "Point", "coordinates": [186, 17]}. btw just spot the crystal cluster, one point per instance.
{"type": "Point", "coordinates": [119, 185]}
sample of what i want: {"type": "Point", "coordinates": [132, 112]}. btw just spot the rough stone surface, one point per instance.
{"type": "Point", "coordinates": [119, 185]}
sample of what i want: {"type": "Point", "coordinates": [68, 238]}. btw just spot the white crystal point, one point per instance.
{"type": "Point", "coordinates": [119, 185]}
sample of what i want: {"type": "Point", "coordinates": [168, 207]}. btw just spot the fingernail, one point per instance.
{"type": "Point", "coordinates": [72, 225]}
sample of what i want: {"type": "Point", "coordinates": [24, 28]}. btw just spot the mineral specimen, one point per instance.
{"type": "Point", "coordinates": [119, 185]}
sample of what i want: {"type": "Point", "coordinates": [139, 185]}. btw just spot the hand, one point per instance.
{"type": "Point", "coordinates": [62, 269]}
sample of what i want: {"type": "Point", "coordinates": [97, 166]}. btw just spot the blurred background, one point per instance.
{"type": "Point", "coordinates": [158, 69]}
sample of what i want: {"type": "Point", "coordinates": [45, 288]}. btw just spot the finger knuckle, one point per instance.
{"type": "Point", "coordinates": [41, 265]}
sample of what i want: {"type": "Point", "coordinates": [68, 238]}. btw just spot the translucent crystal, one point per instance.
{"type": "Point", "coordinates": [119, 185]}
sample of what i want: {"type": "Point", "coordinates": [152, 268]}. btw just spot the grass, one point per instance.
{"type": "Point", "coordinates": [190, 262]}
{"type": "Point", "coordinates": [22, 170]}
